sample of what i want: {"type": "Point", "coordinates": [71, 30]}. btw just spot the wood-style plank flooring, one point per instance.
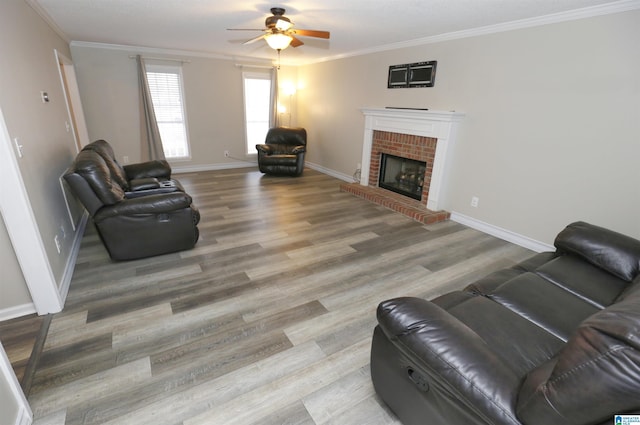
{"type": "Point", "coordinates": [267, 321]}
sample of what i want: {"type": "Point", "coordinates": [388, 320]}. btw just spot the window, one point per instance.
{"type": "Point", "coordinates": [165, 85]}
{"type": "Point", "coordinates": [257, 108]}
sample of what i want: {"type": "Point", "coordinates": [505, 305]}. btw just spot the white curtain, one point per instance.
{"type": "Point", "coordinates": [274, 120]}
{"type": "Point", "coordinates": [151, 142]}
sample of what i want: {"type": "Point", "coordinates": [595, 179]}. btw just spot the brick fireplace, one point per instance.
{"type": "Point", "coordinates": [409, 133]}
{"type": "Point", "coordinates": [409, 146]}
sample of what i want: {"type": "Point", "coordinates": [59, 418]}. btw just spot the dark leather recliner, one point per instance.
{"type": "Point", "coordinates": [554, 339]}
{"type": "Point", "coordinates": [283, 151]}
{"type": "Point", "coordinates": [138, 210]}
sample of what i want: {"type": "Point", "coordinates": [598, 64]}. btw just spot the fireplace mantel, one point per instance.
{"type": "Point", "coordinates": [441, 125]}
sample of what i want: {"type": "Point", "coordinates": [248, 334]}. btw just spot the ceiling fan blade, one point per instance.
{"type": "Point", "coordinates": [312, 33]}
{"type": "Point", "coordinates": [253, 40]}
{"type": "Point", "coordinates": [295, 42]}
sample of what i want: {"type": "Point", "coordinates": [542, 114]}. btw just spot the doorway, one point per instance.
{"type": "Point", "coordinates": [76, 123]}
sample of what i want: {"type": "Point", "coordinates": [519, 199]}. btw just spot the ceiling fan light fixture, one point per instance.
{"type": "Point", "coordinates": [278, 41]}
{"type": "Point", "coordinates": [283, 24]}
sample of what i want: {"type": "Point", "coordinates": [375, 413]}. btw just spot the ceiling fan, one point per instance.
{"type": "Point", "coordinates": [279, 32]}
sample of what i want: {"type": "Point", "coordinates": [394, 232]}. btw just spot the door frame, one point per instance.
{"type": "Point", "coordinates": [69, 83]}
{"type": "Point", "coordinates": [23, 230]}
{"type": "Point", "coordinates": [24, 414]}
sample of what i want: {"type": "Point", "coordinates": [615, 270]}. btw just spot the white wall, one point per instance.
{"type": "Point", "coordinates": [552, 127]}
{"type": "Point", "coordinates": [13, 404]}
{"type": "Point", "coordinates": [29, 66]}
{"type": "Point", "coordinates": [550, 134]}
{"type": "Point", "coordinates": [108, 82]}
{"type": "Point", "coordinates": [15, 293]}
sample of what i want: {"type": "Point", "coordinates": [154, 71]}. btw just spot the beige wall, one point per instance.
{"type": "Point", "coordinates": [14, 287]}
{"type": "Point", "coordinates": [29, 66]}
{"type": "Point", "coordinates": [552, 127]}
{"type": "Point", "coordinates": [108, 83]}
{"type": "Point", "coordinates": [550, 134]}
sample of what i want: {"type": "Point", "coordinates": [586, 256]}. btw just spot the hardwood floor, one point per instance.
{"type": "Point", "coordinates": [267, 321]}
{"type": "Point", "coordinates": [22, 339]}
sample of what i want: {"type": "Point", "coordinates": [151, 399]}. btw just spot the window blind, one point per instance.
{"type": "Point", "coordinates": [165, 86]}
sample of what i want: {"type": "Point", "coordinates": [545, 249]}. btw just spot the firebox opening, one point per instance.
{"type": "Point", "coordinates": [402, 175]}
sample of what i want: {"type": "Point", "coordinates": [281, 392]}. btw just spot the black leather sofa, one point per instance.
{"type": "Point", "coordinates": [139, 210]}
{"type": "Point", "coordinates": [552, 340]}
{"type": "Point", "coordinates": [283, 151]}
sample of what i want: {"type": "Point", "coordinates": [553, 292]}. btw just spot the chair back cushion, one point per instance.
{"type": "Point", "coordinates": [614, 252]}
{"type": "Point", "coordinates": [94, 169]}
{"type": "Point", "coordinates": [287, 136]}
{"type": "Point", "coordinates": [104, 149]}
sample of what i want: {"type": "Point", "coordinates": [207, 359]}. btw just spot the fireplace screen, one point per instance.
{"type": "Point", "coordinates": [402, 175]}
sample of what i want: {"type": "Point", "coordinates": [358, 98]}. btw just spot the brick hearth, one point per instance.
{"type": "Point", "coordinates": [410, 207]}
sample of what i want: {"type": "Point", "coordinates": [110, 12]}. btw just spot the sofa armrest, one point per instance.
{"type": "Point", "coordinates": [614, 252]}
{"type": "Point", "coordinates": [153, 204]}
{"type": "Point", "coordinates": [158, 169]}
{"type": "Point", "coordinates": [298, 149]}
{"type": "Point", "coordinates": [265, 149]}
{"type": "Point", "coordinates": [452, 354]}
{"type": "Point", "coordinates": [144, 184]}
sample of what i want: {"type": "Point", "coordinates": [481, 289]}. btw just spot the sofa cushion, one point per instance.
{"type": "Point", "coordinates": [614, 252]}
{"type": "Point", "coordinates": [507, 333]}
{"type": "Point", "coordinates": [281, 149]}
{"type": "Point", "coordinates": [591, 283]}
{"type": "Point", "coordinates": [596, 375]}
{"type": "Point", "coordinates": [632, 288]}
{"type": "Point", "coordinates": [543, 303]}
{"type": "Point", "coordinates": [491, 282]}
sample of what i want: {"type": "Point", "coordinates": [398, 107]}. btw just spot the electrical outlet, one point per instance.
{"type": "Point", "coordinates": [226, 154]}
{"type": "Point", "coordinates": [358, 166]}
{"type": "Point", "coordinates": [474, 201]}
{"type": "Point", "coordinates": [125, 159]}
{"type": "Point", "coordinates": [57, 242]}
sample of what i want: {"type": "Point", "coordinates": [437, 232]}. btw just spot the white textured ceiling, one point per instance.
{"type": "Point", "coordinates": [355, 25]}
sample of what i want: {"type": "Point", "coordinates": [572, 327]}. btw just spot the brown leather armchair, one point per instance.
{"type": "Point", "coordinates": [283, 151]}
{"type": "Point", "coordinates": [137, 209]}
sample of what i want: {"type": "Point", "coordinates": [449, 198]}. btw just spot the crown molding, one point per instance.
{"type": "Point", "coordinates": [571, 15]}
{"type": "Point", "coordinates": [45, 16]}
{"type": "Point", "coordinates": [162, 51]}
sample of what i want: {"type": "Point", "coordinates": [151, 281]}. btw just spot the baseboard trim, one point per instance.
{"type": "Point", "coordinates": [214, 167]}
{"type": "Point", "coordinates": [501, 233]}
{"type": "Point", "coordinates": [211, 167]}
{"type": "Point", "coordinates": [330, 172]}
{"type": "Point", "coordinates": [65, 282]}
{"type": "Point", "coordinates": [17, 311]}
{"type": "Point", "coordinates": [24, 417]}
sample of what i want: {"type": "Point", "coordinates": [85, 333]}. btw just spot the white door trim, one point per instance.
{"type": "Point", "coordinates": [23, 230]}
{"type": "Point", "coordinates": [24, 414]}
{"type": "Point", "coordinates": [72, 99]}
